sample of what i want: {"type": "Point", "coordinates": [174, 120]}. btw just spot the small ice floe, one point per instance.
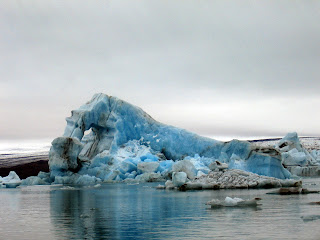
{"type": "Point", "coordinates": [11, 181]}
{"type": "Point", "coordinates": [293, 191]}
{"type": "Point", "coordinates": [67, 188]}
{"type": "Point", "coordinates": [133, 183]}
{"type": "Point", "coordinates": [233, 202]}
{"type": "Point", "coordinates": [310, 218]}
{"type": "Point", "coordinates": [161, 186]}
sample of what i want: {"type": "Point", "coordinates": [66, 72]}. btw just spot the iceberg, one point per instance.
{"type": "Point", "coordinates": [108, 139]}
{"type": "Point", "coordinates": [11, 181]}
{"type": "Point", "coordinates": [292, 151]}
{"type": "Point", "coordinates": [296, 158]}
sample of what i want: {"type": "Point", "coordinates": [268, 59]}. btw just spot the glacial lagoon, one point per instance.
{"type": "Point", "coordinates": [123, 211]}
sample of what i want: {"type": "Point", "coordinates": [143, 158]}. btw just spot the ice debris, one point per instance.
{"type": "Point", "coordinates": [309, 218]}
{"type": "Point", "coordinates": [233, 202]}
{"type": "Point", "coordinates": [230, 179]}
{"type": "Point", "coordinates": [11, 181]}
{"type": "Point", "coordinates": [108, 139]}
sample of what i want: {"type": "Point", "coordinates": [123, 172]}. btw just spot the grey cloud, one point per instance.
{"type": "Point", "coordinates": [157, 52]}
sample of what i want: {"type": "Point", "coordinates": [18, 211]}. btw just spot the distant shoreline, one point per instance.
{"type": "Point", "coordinates": [25, 165]}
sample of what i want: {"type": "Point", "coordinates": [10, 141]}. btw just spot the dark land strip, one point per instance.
{"type": "Point", "coordinates": [25, 165]}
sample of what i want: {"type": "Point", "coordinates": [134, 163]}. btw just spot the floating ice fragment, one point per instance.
{"type": "Point", "coordinates": [233, 202]}
{"type": "Point", "coordinates": [11, 181]}
{"type": "Point", "coordinates": [309, 218]}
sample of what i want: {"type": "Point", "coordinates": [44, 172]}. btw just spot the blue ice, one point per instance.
{"type": "Point", "coordinates": [122, 137]}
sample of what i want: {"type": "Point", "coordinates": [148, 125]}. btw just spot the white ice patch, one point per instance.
{"type": "Point", "coordinates": [232, 201]}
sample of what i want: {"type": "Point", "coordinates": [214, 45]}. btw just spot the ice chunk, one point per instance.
{"type": "Point", "coordinates": [267, 166]}
{"type": "Point", "coordinates": [11, 181]}
{"type": "Point", "coordinates": [240, 148]}
{"type": "Point", "coordinates": [200, 163]}
{"type": "Point", "coordinates": [179, 178]}
{"type": "Point", "coordinates": [293, 153]}
{"type": "Point", "coordinates": [185, 166]}
{"type": "Point", "coordinates": [148, 167]}
{"type": "Point", "coordinates": [165, 166]}
{"type": "Point", "coordinates": [43, 178]}
{"type": "Point", "coordinates": [101, 158]}
{"type": "Point", "coordinates": [233, 202]}
{"type": "Point", "coordinates": [33, 180]}
{"type": "Point", "coordinates": [64, 153]}
{"type": "Point", "coordinates": [149, 158]}
{"type": "Point", "coordinates": [290, 141]}
{"type": "Point", "coordinates": [316, 155]}
{"type": "Point", "coordinates": [216, 165]}
{"type": "Point", "coordinates": [149, 177]}
{"type": "Point", "coordinates": [77, 179]}
{"type": "Point", "coordinates": [293, 157]}
{"type": "Point", "coordinates": [169, 184]}
{"type": "Point", "coordinates": [309, 218]}
{"type": "Point", "coordinates": [87, 180]}
{"type": "Point", "coordinates": [128, 166]}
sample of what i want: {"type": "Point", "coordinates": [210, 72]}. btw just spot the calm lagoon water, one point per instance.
{"type": "Point", "coordinates": [121, 211]}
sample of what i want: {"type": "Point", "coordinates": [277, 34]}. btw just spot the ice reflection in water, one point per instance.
{"type": "Point", "coordinates": [123, 211]}
{"type": "Point", "coordinates": [140, 212]}
{"type": "Point", "coordinates": [120, 211]}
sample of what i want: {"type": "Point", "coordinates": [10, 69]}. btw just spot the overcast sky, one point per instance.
{"type": "Point", "coordinates": [231, 68]}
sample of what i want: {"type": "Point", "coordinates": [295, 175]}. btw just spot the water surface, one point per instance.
{"type": "Point", "coordinates": [121, 211]}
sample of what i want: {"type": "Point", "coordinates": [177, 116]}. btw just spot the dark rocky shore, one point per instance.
{"type": "Point", "coordinates": [25, 165]}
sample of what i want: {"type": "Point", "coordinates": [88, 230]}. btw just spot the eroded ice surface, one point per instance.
{"type": "Point", "coordinates": [108, 139]}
